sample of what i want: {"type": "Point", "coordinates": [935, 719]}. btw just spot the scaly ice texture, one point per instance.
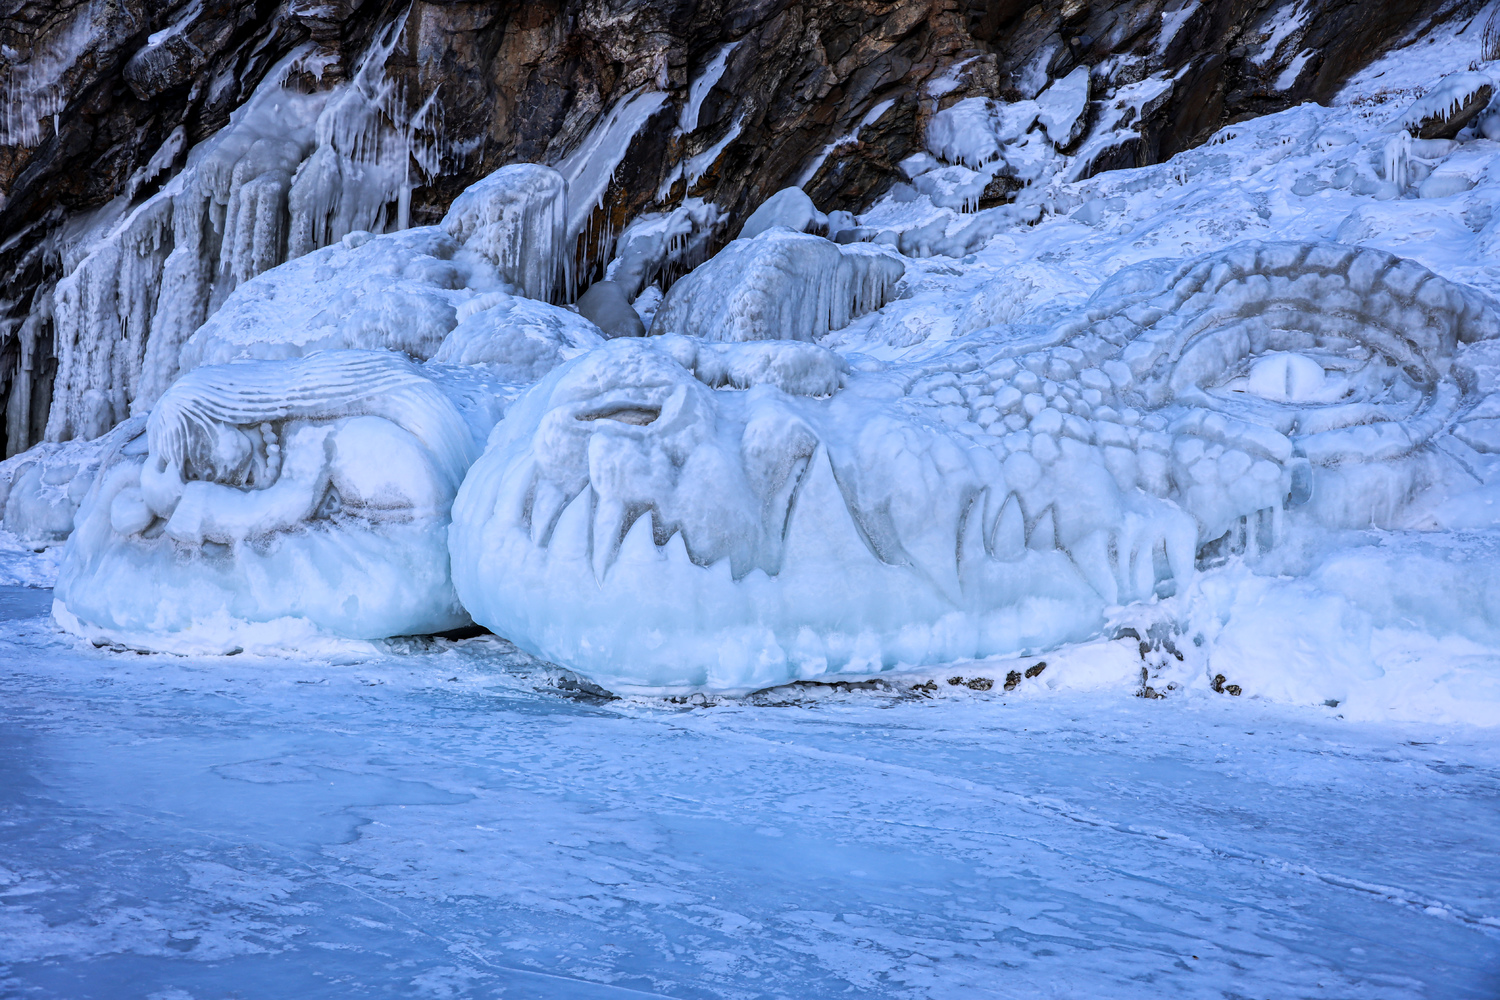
{"type": "Point", "coordinates": [269, 500]}
{"type": "Point", "coordinates": [781, 285]}
{"type": "Point", "coordinates": [631, 522]}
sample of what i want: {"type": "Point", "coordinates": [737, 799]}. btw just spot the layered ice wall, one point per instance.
{"type": "Point", "coordinates": [632, 522]}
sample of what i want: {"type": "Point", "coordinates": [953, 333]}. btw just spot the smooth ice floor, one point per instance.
{"type": "Point", "coordinates": [442, 822]}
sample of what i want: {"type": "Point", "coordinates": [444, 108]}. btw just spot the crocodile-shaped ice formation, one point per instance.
{"type": "Point", "coordinates": [631, 522]}
{"type": "Point", "coordinates": [269, 499]}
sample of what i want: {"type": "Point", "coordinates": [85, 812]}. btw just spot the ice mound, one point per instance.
{"type": "Point", "coordinates": [632, 523]}
{"type": "Point", "coordinates": [400, 291]}
{"type": "Point", "coordinates": [789, 207]}
{"type": "Point", "coordinates": [517, 219]}
{"type": "Point", "coordinates": [279, 498]}
{"type": "Point", "coordinates": [781, 285]}
{"type": "Point", "coordinates": [518, 339]}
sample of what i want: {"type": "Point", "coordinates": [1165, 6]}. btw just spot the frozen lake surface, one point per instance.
{"type": "Point", "coordinates": [443, 821]}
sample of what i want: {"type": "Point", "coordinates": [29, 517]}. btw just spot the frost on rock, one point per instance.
{"type": "Point", "coordinates": [1444, 111]}
{"type": "Point", "coordinates": [269, 501]}
{"type": "Point", "coordinates": [631, 522]}
{"type": "Point", "coordinates": [781, 285]}
{"type": "Point", "coordinates": [517, 219]}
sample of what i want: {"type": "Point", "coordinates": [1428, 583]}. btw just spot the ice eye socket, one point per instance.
{"type": "Point", "coordinates": [640, 416]}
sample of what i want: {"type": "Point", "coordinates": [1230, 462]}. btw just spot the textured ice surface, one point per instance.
{"type": "Point", "coordinates": [400, 291]}
{"type": "Point", "coordinates": [632, 523]}
{"type": "Point", "coordinates": [781, 285]}
{"type": "Point", "coordinates": [279, 501]}
{"type": "Point", "coordinates": [518, 339]}
{"type": "Point", "coordinates": [439, 821]}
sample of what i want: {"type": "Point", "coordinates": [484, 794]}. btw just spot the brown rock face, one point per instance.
{"type": "Point", "coordinates": [759, 94]}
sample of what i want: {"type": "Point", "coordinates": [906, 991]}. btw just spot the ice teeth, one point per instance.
{"type": "Point", "coordinates": [1009, 542]}
{"type": "Point", "coordinates": [638, 549]}
{"type": "Point", "coordinates": [1181, 543]}
{"type": "Point", "coordinates": [609, 525]}
{"type": "Point", "coordinates": [971, 535]}
{"type": "Point", "coordinates": [1043, 534]}
{"type": "Point", "coordinates": [676, 550]}
{"type": "Point", "coordinates": [570, 538]}
{"type": "Point", "coordinates": [1091, 556]}
{"type": "Point", "coordinates": [514, 496]}
{"type": "Point", "coordinates": [546, 503]}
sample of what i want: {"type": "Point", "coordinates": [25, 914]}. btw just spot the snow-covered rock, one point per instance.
{"type": "Point", "coordinates": [1444, 110]}
{"type": "Point", "coordinates": [789, 207]}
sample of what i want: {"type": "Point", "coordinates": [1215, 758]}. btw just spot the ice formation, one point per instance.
{"type": "Point", "coordinates": [399, 291]}
{"type": "Point", "coordinates": [517, 218]}
{"type": "Point", "coordinates": [1443, 111]}
{"type": "Point", "coordinates": [781, 285]}
{"type": "Point", "coordinates": [291, 172]}
{"type": "Point", "coordinates": [517, 339]}
{"type": "Point", "coordinates": [789, 207]}
{"type": "Point", "coordinates": [280, 500]}
{"type": "Point", "coordinates": [632, 522]}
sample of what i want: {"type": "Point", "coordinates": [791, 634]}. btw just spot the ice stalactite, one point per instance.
{"type": "Point", "coordinates": [999, 494]}
{"type": "Point", "coordinates": [291, 172]}
{"type": "Point", "coordinates": [34, 91]}
{"type": "Point", "coordinates": [660, 247]}
{"type": "Point", "coordinates": [589, 169]}
{"type": "Point", "coordinates": [782, 285]}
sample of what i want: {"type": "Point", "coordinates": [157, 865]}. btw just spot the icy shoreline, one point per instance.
{"type": "Point", "coordinates": [442, 821]}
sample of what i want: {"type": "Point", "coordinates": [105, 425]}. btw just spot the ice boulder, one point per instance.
{"type": "Point", "coordinates": [781, 285]}
{"type": "Point", "coordinates": [517, 218]}
{"type": "Point", "coordinates": [399, 291]}
{"type": "Point", "coordinates": [789, 207]}
{"type": "Point", "coordinates": [607, 307]}
{"type": "Point", "coordinates": [517, 339]}
{"type": "Point", "coordinates": [266, 502]}
{"type": "Point", "coordinates": [633, 520]}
